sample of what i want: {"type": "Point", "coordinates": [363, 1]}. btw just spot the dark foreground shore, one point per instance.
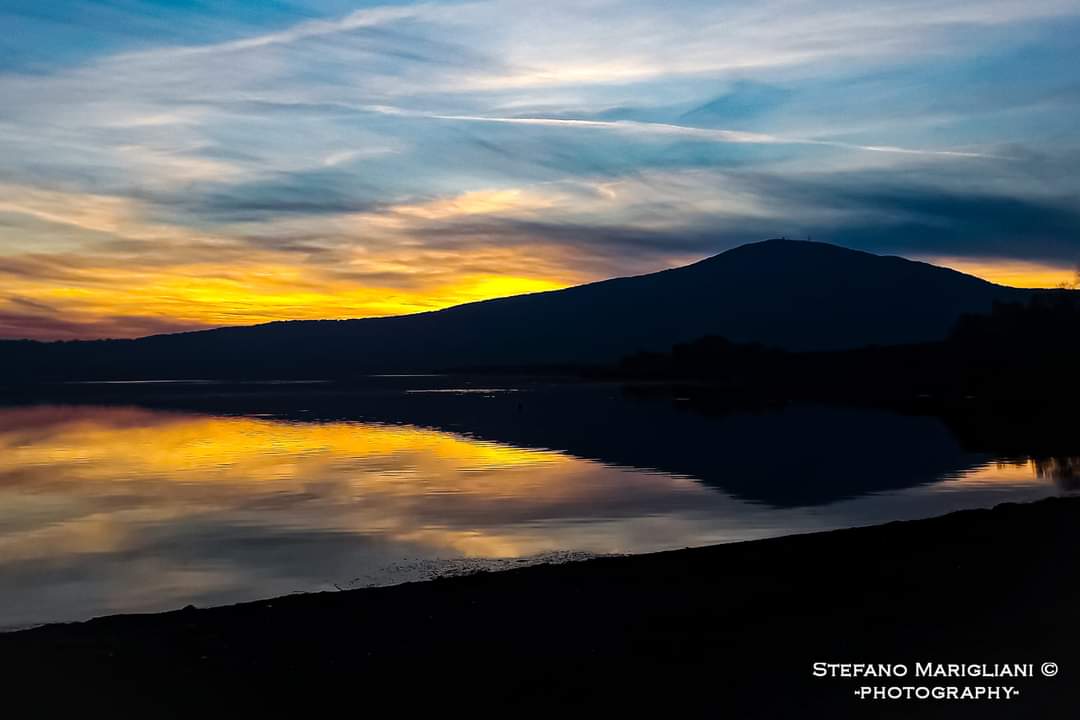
{"type": "Point", "coordinates": [725, 631]}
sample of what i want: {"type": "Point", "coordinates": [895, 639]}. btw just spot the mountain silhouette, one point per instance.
{"type": "Point", "coordinates": [788, 294]}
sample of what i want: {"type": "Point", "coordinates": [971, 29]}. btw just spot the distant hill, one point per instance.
{"type": "Point", "coordinates": [788, 294]}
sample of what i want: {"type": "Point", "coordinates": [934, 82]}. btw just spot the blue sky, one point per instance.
{"type": "Point", "coordinates": [174, 165]}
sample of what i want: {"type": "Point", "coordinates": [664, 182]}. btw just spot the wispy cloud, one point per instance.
{"type": "Point", "coordinates": [709, 134]}
{"type": "Point", "coordinates": [312, 29]}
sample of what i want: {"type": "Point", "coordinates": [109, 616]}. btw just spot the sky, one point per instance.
{"type": "Point", "coordinates": [171, 165]}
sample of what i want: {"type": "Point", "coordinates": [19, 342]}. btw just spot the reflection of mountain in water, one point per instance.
{"type": "Point", "coordinates": [798, 456]}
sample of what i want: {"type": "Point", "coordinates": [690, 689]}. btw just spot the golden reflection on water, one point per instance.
{"type": "Point", "coordinates": [108, 509]}
{"type": "Point", "coordinates": [100, 444]}
{"type": "Point", "coordinates": [72, 479]}
{"type": "Point", "coordinates": [1060, 471]}
{"type": "Point", "coordinates": [1011, 473]}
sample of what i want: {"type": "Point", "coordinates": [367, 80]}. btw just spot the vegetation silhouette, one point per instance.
{"type": "Point", "coordinates": [1019, 356]}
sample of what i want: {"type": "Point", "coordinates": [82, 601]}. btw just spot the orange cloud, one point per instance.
{"type": "Point", "coordinates": [126, 302]}
{"type": "Point", "coordinates": [146, 277]}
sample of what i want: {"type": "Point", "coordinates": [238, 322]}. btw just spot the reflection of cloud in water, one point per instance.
{"type": "Point", "coordinates": [121, 509]}
{"type": "Point", "coordinates": [462, 391]}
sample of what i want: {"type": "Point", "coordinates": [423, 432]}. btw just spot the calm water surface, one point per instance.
{"type": "Point", "coordinates": [122, 508]}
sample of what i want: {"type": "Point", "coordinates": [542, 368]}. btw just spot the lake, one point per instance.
{"type": "Point", "coordinates": [145, 497]}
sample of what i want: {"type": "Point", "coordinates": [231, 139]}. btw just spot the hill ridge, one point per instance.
{"type": "Point", "coordinates": [792, 294]}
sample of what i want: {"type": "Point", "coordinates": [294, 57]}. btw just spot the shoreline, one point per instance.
{"type": "Point", "coordinates": [725, 628]}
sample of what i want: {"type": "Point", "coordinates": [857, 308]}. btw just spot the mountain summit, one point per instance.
{"type": "Point", "coordinates": [790, 294]}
